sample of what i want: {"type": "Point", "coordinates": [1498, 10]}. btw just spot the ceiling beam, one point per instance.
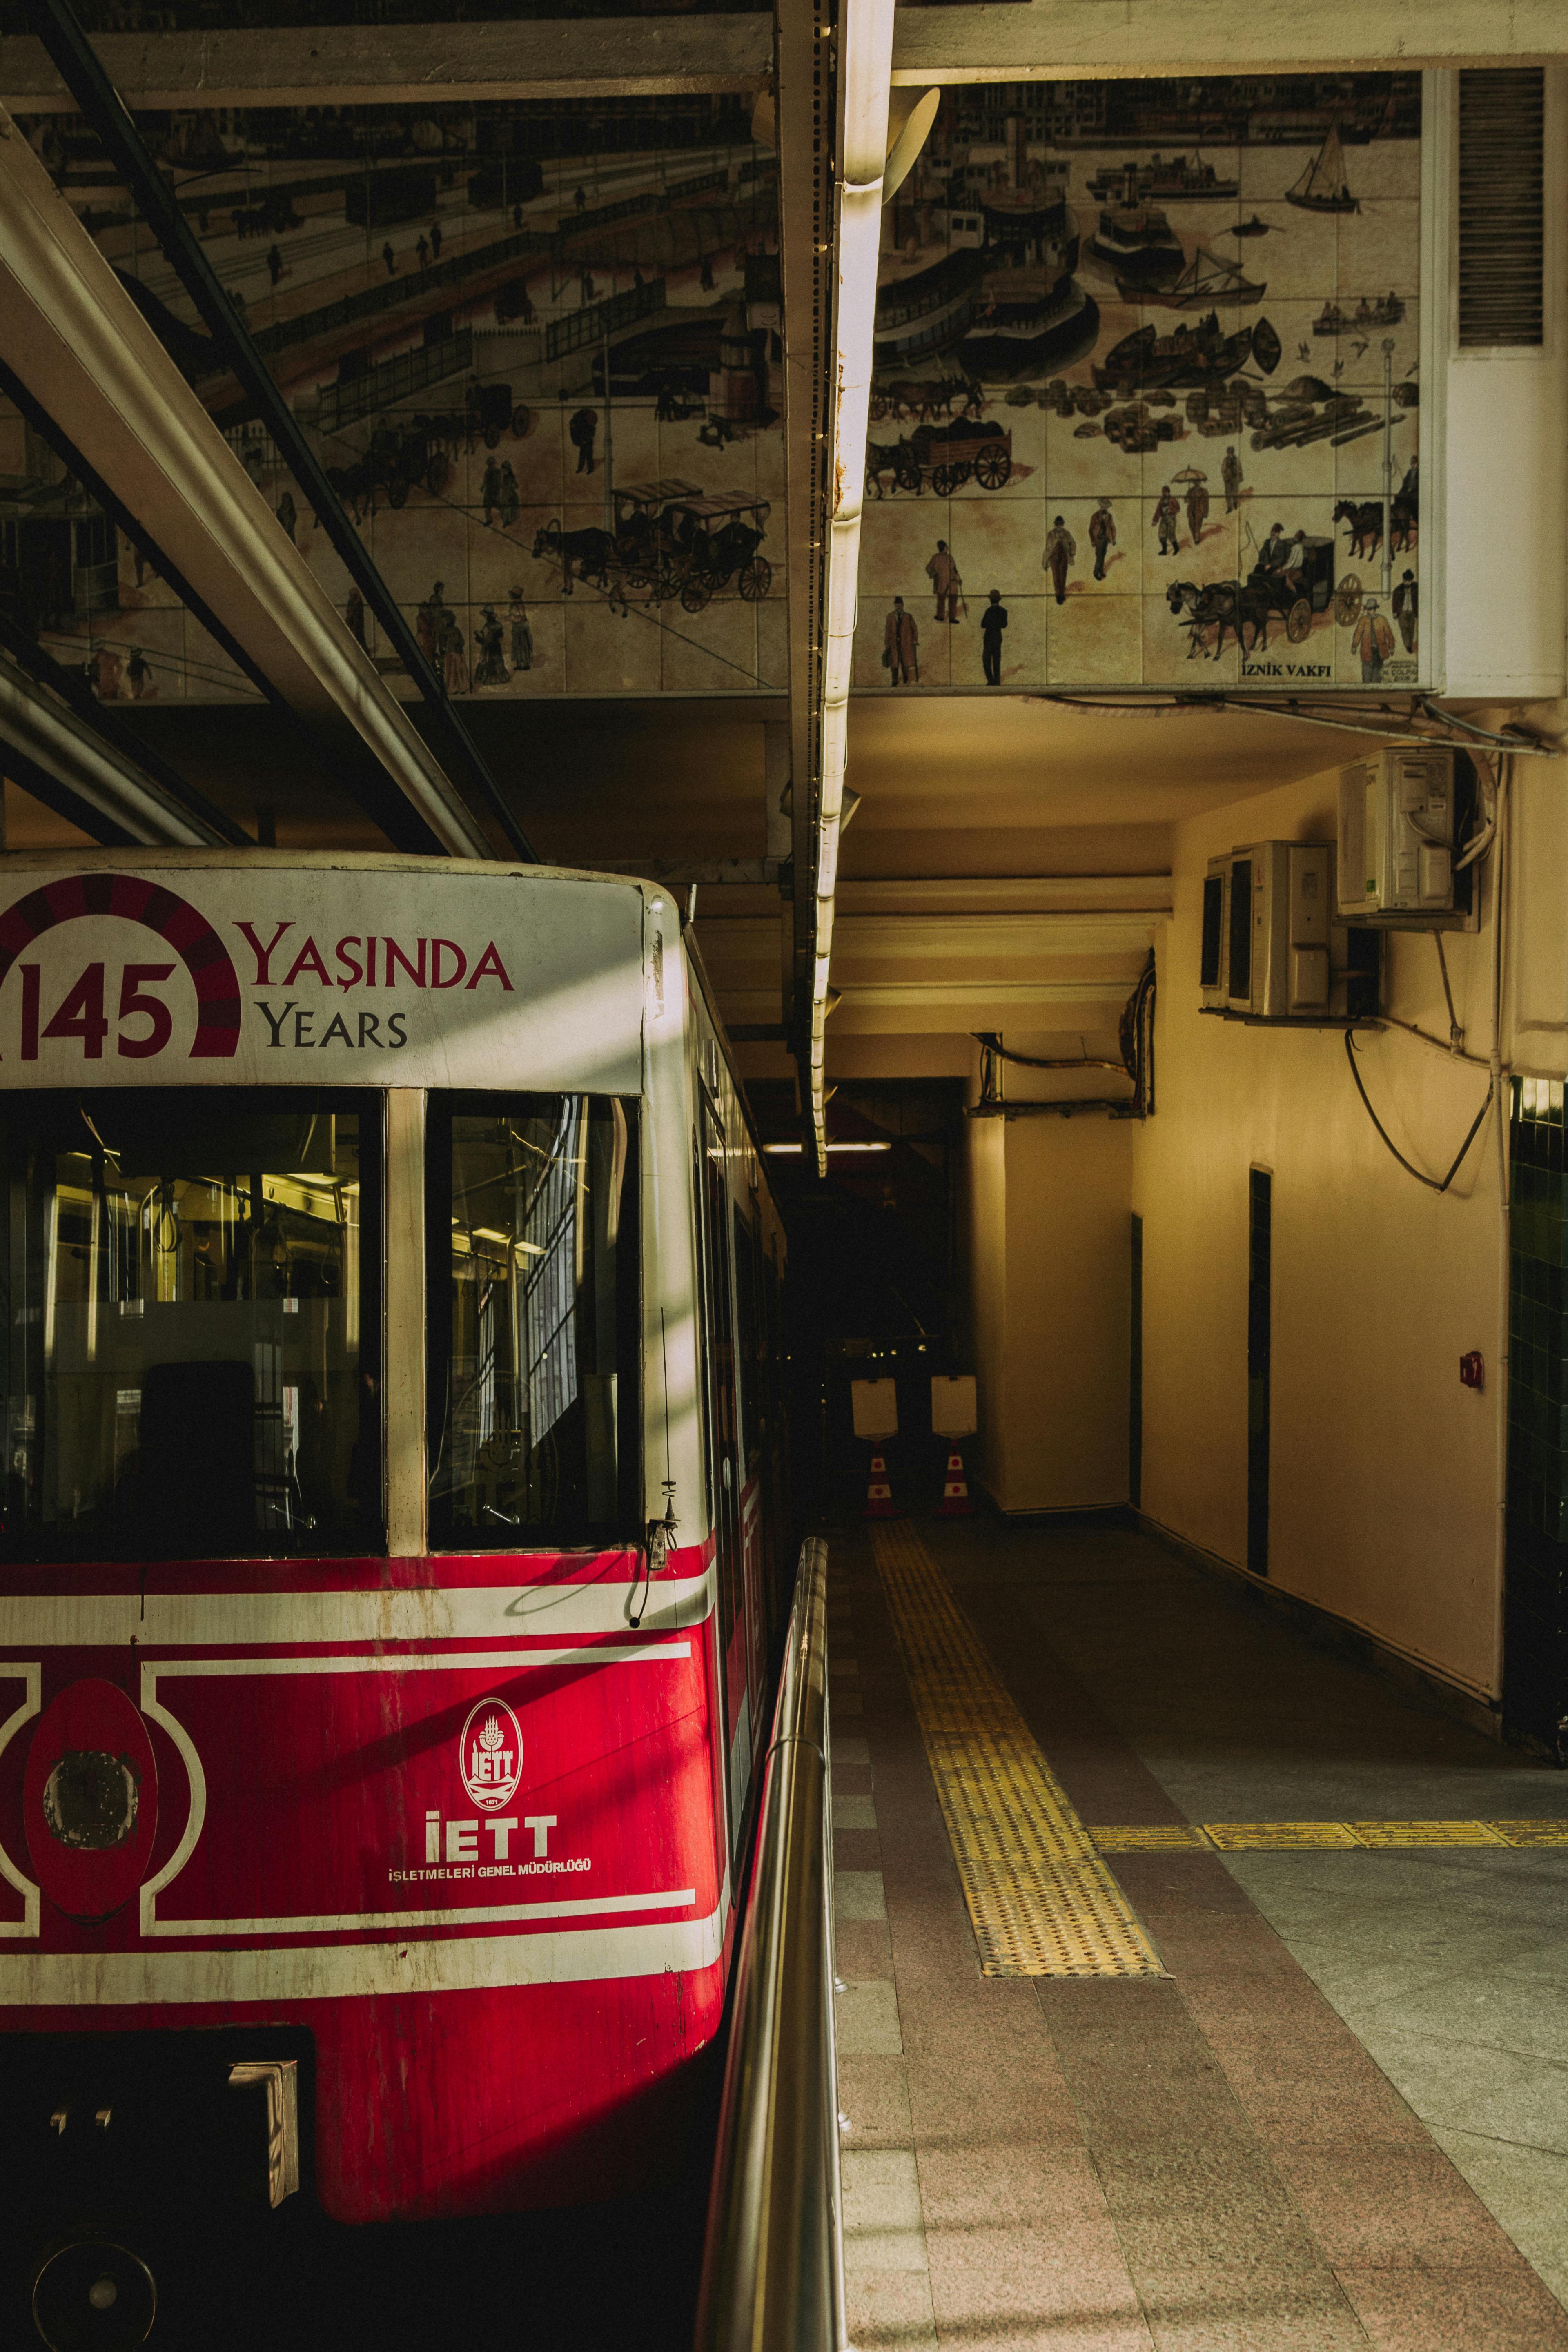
{"type": "Point", "coordinates": [51, 752]}
{"type": "Point", "coordinates": [1069, 40]}
{"type": "Point", "coordinates": [408, 65]}
{"type": "Point", "coordinates": [75, 339]}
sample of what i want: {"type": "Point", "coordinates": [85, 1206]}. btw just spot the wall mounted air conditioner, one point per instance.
{"type": "Point", "coordinates": [1401, 815]}
{"type": "Point", "coordinates": [1273, 946]}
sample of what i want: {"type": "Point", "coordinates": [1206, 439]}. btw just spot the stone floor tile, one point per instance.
{"type": "Point", "coordinates": [884, 2228]}
{"type": "Point", "coordinates": [857, 1895]}
{"type": "Point", "coordinates": [862, 1948]}
{"type": "Point", "coordinates": [857, 1812]}
{"type": "Point", "coordinates": [866, 2020]}
{"type": "Point", "coordinates": [891, 2308]}
{"type": "Point", "coordinates": [1397, 2207]}
{"type": "Point", "coordinates": [874, 2096]}
{"type": "Point", "coordinates": [1491, 2308]}
{"type": "Point", "coordinates": [1021, 2290]}
{"type": "Point", "coordinates": [858, 1849]}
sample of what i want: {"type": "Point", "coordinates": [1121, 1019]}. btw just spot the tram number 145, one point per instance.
{"type": "Point", "coordinates": [81, 1012]}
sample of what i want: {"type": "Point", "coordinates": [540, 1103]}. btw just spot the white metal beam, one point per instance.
{"type": "Point", "coordinates": [1050, 40]}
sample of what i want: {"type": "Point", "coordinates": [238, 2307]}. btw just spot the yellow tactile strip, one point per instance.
{"type": "Point", "coordinates": [1042, 1902]}
{"type": "Point", "coordinates": [1290, 1837]}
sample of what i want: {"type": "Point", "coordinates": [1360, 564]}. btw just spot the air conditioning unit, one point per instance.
{"type": "Point", "coordinates": [1400, 816]}
{"type": "Point", "coordinates": [1273, 946]}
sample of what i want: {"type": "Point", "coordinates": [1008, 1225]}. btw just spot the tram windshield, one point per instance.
{"type": "Point", "coordinates": [534, 1320]}
{"type": "Point", "coordinates": [193, 1313]}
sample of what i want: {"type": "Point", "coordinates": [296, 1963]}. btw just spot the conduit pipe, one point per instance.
{"type": "Point", "coordinates": [864, 72]}
{"type": "Point", "coordinates": [72, 335]}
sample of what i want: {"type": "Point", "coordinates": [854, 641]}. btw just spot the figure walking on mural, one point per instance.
{"type": "Point", "coordinates": [1373, 641]}
{"type": "Point", "coordinates": [427, 624]}
{"type": "Point", "coordinates": [1168, 520]}
{"type": "Point", "coordinates": [274, 265]}
{"type": "Point", "coordinates": [1406, 610]}
{"type": "Point", "coordinates": [944, 577]}
{"type": "Point", "coordinates": [1197, 508]}
{"type": "Point", "coordinates": [490, 668]}
{"type": "Point", "coordinates": [1102, 535]}
{"type": "Point", "coordinates": [585, 424]}
{"type": "Point", "coordinates": [138, 676]}
{"type": "Point", "coordinates": [354, 616]}
{"type": "Point", "coordinates": [993, 620]}
{"type": "Point", "coordinates": [423, 249]}
{"type": "Point", "coordinates": [902, 646]}
{"type": "Point", "coordinates": [522, 633]}
{"type": "Point", "coordinates": [490, 490]}
{"type": "Point", "coordinates": [288, 514]}
{"type": "Point", "coordinates": [454, 669]}
{"type": "Point", "coordinates": [1231, 476]}
{"type": "Point", "coordinates": [1060, 553]}
{"type": "Point", "coordinates": [511, 496]}
{"type": "Point", "coordinates": [390, 258]}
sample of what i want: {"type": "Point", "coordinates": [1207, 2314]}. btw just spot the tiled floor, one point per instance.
{"type": "Point", "coordinates": [1292, 2143]}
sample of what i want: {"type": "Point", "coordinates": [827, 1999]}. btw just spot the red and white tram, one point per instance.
{"type": "Point", "coordinates": [393, 1534]}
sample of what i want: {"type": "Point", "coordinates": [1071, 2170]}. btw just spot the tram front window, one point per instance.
{"type": "Point", "coordinates": [533, 1321]}
{"type": "Point", "coordinates": [193, 1313]}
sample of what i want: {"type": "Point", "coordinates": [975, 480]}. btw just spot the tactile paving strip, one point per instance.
{"type": "Point", "coordinates": [1291, 1837]}
{"type": "Point", "coordinates": [1042, 1902]}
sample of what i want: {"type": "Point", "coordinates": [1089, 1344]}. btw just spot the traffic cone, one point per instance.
{"type": "Point", "coordinates": [955, 1503]}
{"type": "Point", "coordinates": [880, 1503]}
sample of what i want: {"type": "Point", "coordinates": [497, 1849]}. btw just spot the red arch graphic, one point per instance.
{"type": "Point", "coordinates": [175, 922]}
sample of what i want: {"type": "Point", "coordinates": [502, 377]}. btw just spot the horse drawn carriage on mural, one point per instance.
{"type": "Point", "coordinates": [947, 457]}
{"type": "Point", "coordinates": [1296, 585]}
{"type": "Point", "coordinates": [673, 541]}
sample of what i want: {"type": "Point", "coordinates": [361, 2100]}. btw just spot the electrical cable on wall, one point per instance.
{"type": "Point", "coordinates": [1432, 1182]}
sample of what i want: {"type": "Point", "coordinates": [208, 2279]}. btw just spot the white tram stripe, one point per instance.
{"type": "Point", "coordinates": [359, 1971]}
{"type": "Point", "coordinates": [444, 1612]}
{"type": "Point", "coordinates": [479, 1914]}
{"type": "Point", "coordinates": [404, 1661]}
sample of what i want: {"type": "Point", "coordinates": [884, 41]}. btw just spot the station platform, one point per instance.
{"type": "Point", "coordinates": [1201, 1988]}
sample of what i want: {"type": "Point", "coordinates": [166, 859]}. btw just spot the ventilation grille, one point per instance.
{"type": "Point", "coordinates": [1502, 144]}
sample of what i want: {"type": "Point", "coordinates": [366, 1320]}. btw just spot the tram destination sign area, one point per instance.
{"type": "Point", "coordinates": [362, 971]}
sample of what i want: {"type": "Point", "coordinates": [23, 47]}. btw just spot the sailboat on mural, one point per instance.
{"type": "Point", "coordinates": [1206, 280]}
{"type": "Point", "coordinates": [1322, 186]}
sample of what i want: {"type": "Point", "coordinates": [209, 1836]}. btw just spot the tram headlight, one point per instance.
{"type": "Point", "coordinates": [92, 2295]}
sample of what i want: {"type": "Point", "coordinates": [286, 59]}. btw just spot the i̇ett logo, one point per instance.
{"type": "Point", "coordinates": [489, 1754]}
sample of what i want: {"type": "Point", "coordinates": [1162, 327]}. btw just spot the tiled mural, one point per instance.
{"type": "Point", "coordinates": [1146, 367]}
{"type": "Point", "coordinates": [536, 346]}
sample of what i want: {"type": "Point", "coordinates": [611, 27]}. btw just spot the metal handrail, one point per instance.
{"type": "Point", "coordinates": [772, 2266]}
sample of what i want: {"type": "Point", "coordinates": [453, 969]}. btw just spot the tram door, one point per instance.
{"type": "Point", "coordinates": [725, 1470]}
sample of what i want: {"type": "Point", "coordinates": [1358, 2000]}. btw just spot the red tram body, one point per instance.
{"type": "Point", "coordinates": [394, 1509]}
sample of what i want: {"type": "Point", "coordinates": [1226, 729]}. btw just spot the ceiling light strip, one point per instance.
{"type": "Point", "coordinates": [865, 73]}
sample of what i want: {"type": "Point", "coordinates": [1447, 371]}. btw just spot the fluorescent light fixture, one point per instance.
{"type": "Point", "coordinates": [867, 55]}
{"type": "Point", "coordinates": [830, 1147]}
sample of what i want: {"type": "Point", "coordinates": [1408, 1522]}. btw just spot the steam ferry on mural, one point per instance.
{"type": "Point", "coordinates": [1008, 306]}
{"type": "Point", "coordinates": [1188, 178]}
{"type": "Point", "coordinates": [1137, 239]}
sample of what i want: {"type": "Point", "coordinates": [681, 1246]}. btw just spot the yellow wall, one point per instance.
{"type": "Point", "coordinates": [1384, 1468]}
{"type": "Point", "coordinates": [1049, 1260]}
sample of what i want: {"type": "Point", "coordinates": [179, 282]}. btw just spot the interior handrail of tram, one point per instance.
{"type": "Point", "coordinates": [772, 2267]}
